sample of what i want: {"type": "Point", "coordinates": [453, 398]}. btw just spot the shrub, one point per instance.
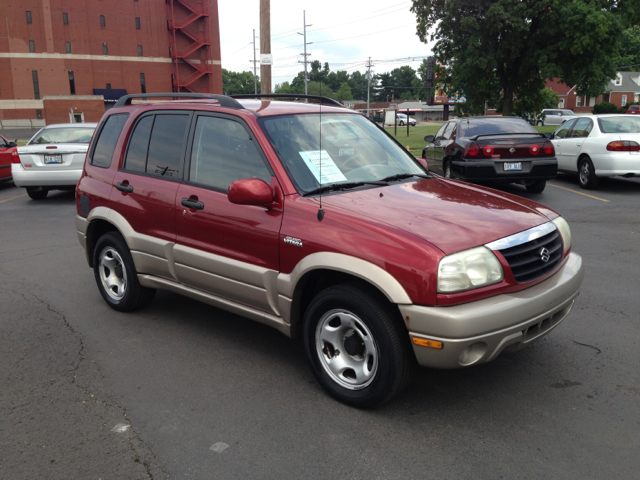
{"type": "Point", "coordinates": [605, 107]}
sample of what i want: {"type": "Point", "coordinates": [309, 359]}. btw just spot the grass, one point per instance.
{"type": "Point", "coordinates": [415, 140]}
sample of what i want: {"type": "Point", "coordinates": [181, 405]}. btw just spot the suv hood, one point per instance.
{"type": "Point", "coordinates": [448, 214]}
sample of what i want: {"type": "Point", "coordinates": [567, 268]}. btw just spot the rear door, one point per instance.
{"type": "Point", "coordinates": [226, 249]}
{"type": "Point", "coordinates": [559, 140]}
{"type": "Point", "coordinates": [145, 187]}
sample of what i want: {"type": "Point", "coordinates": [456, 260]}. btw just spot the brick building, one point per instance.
{"type": "Point", "coordinates": [74, 47]}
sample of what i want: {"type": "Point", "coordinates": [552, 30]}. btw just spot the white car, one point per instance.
{"type": "Point", "coordinates": [53, 159]}
{"type": "Point", "coordinates": [402, 120]}
{"type": "Point", "coordinates": [595, 146]}
{"type": "Point", "coordinates": [556, 116]}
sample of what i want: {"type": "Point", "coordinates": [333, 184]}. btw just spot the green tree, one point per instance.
{"type": "Point", "coordinates": [317, 88]}
{"type": "Point", "coordinates": [630, 50]}
{"type": "Point", "coordinates": [358, 84]}
{"type": "Point", "coordinates": [530, 107]}
{"type": "Point", "coordinates": [284, 87]}
{"type": "Point", "coordinates": [508, 47]}
{"type": "Point", "coordinates": [238, 82]}
{"type": "Point", "coordinates": [336, 79]}
{"type": "Point", "coordinates": [344, 92]}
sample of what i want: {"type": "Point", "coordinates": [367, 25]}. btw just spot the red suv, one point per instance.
{"type": "Point", "coordinates": [311, 219]}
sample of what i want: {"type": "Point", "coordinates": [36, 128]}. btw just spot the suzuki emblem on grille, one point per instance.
{"type": "Point", "coordinates": [545, 255]}
{"type": "Point", "coordinates": [512, 150]}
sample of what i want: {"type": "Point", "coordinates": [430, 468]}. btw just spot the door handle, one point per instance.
{"type": "Point", "coordinates": [191, 203]}
{"type": "Point", "coordinates": [124, 187]}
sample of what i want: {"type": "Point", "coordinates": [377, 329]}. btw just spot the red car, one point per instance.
{"type": "Point", "coordinates": [633, 109]}
{"type": "Point", "coordinates": [311, 219]}
{"type": "Point", "coordinates": [6, 154]}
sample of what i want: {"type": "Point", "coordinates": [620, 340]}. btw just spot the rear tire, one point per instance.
{"type": "Point", "coordinates": [541, 124]}
{"type": "Point", "coordinates": [356, 346]}
{"type": "Point", "coordinates": [37, 193]}
{"type": "Point", "coordinates": [587, 174]}
{"type": "Point", "coordinates": [446, 168]}
{"type": "Point", "coordinates": [537, 186]}
{"type": "Point", "coordinates": [401, 123]}
{"type": "Point", "coordinates": [116, 275]}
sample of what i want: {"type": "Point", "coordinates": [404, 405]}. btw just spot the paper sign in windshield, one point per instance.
{"type": "Point", "coordinates": [330, 171]}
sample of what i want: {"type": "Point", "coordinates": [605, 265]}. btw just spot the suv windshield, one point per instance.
{"type": "Point", "coordinates": [63, 135]}
{"type": "Point", "coordinates": [487, 126]}
{"type": "Point", "coordinates": [620, 124]}
{"type": "Point", "coordinates": [346, 147]}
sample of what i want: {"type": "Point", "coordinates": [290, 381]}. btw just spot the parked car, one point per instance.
{"type": "Point", "coordinates": [376, 118]}
{"type": "Point", "coordinates": [596, 146]}
{"type": "Point", "coordinates": [52, 159]}
{"type": "Point", "coordinates": [315, 222]}
{"type": "Point", "coordinates": [556, 116]}
{"type": "Point", "coordinates": [6, 154]}
{"type": "Point", "coordinates": [633, 109]}
{"type": "Point", "coordinates": [502, 149]}
{"type": "Point", "coordinates": [402, 120]}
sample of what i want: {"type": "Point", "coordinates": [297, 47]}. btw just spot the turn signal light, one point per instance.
{"type": "Point", "coordinates": [488, 151]}
{"type": "Point", "coordinates": [623, 146]}
{"type": "Point", "coordinates": [534, 149]}
{"type": "Point", "coordinates": [548, 149]}
{"type": "Point", "coordinates": [471, 150]}
{"type": "Point", "coordinates": [15, 158]}
{"type": "Point", "coordinates": [423, 342]}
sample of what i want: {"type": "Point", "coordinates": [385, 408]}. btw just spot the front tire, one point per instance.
{"type": "Point", "coordinates": [37, 193]}
{"type": "Point", "coordinates": [401, 123]}
{"type": "Point", "coordinates": [356, 346]}
{"type": "Point", "coordinates": [537, 186]}
{"type": "Point", "coordinates": [116, 275]}
{"type": "Point", "coordinates": [446, 168]}
{"type": "Point", "coordinates": [587, 174]}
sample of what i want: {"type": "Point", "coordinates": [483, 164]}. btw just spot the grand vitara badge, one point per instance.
{"type": "Point", "coordinates": [545, 255]}
{"type": "Point", "coordinates": [293, 241]}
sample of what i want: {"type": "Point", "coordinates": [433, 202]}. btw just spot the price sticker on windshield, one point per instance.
{"type": "Point", "coordinates": [319, 160]}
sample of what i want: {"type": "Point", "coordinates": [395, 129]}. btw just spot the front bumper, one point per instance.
{"type": "Point", "coordinates": [477, 332]}
{"type": "Point", "coordinates": [41, 177]}
{"type": "Point", "coordinates": [494, 170]}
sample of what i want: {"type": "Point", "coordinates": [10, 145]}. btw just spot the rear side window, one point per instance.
{"type": "Point", "coordinates": [448, 131]}
{"type": "Point", "coordinates": [223, 152]}
{"type": "Point", "coordinates": [581, 128]}
{"type": "Point", "coordinates": [106, 144]}
{"type": "Point", "coordinates": [136, 160]}
{"type": "Point", "coordinates": [167, 145]}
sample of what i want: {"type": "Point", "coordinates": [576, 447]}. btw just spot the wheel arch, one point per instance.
{"type": "Point", "coordinates": [102, 220]}
{"type": "Point", "coordinates": [580, 157]}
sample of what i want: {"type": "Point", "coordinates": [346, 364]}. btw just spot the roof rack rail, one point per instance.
{"type": "Point", "coordinates": [323, 100]}
{"type": "Point", "coordinates": [224, 100]}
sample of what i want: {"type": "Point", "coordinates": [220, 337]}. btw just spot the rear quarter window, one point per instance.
{"type": "Point", "coordinates": [107, 139]}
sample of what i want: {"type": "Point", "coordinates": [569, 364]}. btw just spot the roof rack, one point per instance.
{"type": "Point", "coordinates": [323, 100]}
{"type": "Point", "coordinates": [224, 100]}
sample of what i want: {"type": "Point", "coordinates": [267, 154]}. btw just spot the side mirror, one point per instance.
{"type": "Point", "coordinates": [12, 144]}
{"type": "Point", "coordinates": [429, 138]}
{"type": "Point", "coordinates": [548, 135]}
{"type": "Point", "coordinates": [250, 191]}
{"type": "Point", "coordinates": [424, 163]}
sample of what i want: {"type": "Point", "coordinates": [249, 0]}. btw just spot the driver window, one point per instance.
{"type": "Point", "coordinates": [564, 129]}
{"type": "Point", "coordinates": [222, 153]}
{"type": "Point", "coordinates": [447, 133]}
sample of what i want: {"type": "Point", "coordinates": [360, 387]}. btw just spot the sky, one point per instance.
{"type": "Point", "coordinates": [345, 33]}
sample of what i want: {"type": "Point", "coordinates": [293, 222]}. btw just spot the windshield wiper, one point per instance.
{"type": "Point", "coordinates": [343, 186]}
{"type": "Point", "coordinates": [402, 176]}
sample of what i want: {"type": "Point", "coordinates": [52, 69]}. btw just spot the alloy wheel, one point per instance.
{"type": "Point", "coordinates": [113, 274]}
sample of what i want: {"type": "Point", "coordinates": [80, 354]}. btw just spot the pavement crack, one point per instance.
{"type": "Point", "coordinates": [586, 345]}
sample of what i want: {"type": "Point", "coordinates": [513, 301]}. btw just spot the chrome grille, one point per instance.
{"type": "Point", "coordinates": [526, 260]}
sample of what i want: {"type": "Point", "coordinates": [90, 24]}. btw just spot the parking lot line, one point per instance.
{"type": "Point", "coordinates": [579, 193]}
{"type": "Point", "coordinates": [13, 198]}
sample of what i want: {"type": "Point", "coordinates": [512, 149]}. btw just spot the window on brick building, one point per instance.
{"type": "Point", "coordinates": [578, 101]}
{"type": "Point", "coordinates": [39, 114]}
{"type": "Point", "coordinates": [29, 17]}
{"type": "Point", "coordinates": [68, 46]}
{"type": "Point", "coordinates": [103, 23]}
{"type": "Point", "coordinates": [143, 84]}
{"type": "Point", "coordinates": [139, 50]}
{"type": "Point", "coordinates": [72, 83]}
{"type": "Point", "coordinates": [36, 85]}
{"type": "Point", "coordinates": [32, 46]}
{"type": "Point", "coordinates": [105, 49]}
{"type": "Point", "coordinates": [624, 101]}
{"type": "Point", "coordinates": [137, 23]}
{"type": "Point", "coordinates": [65, 19]}
{"type": "Point", "coordinates": [108, 86]}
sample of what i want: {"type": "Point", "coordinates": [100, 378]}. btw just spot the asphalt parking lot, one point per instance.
{"type": "Point", "coordinates": [184, 390]}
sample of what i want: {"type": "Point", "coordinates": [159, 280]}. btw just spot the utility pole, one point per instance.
{"type": "Point", "coordinates": [255, 62]}
{"type": "Point", "coordinates": [369, 65]}
{"type": "Point", "coordinates": [265, 45]}
{"type": "Point", "coordinates": [305, 54]}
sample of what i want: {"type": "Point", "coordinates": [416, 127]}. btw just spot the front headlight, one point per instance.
{"type": "Point", "coordinates": [565, 231]}
{"type": "Point", "coordinates": [474, 268]}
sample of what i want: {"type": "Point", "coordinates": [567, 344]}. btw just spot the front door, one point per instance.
{"type": "Point", "coordinates": [226, 249]}
{"type": "Point", "coordinates": [572, 145]}
{"type": "Point", "coordinates": [560, 139]}
{"type": "Point", "coordinates": [5, 158]}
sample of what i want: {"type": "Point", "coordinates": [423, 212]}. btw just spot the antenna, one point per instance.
{"type": "Point", "coordinates": [320, 210]}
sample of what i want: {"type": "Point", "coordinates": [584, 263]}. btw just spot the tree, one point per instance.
{"type": "Point", "coordinates": [317, 88]}
{"type": "Point", "coordinates": [358, 84]}
{"type": "Point", "coordinates": [630, 50]}
{"type": "Point", "coordinates": [344, 92]}
{"type": "Point", "coordinates": [508, 47]}
{"type": "Point", "coordinates": [530, 107]}
{"type": "Point", "coordinates": [283, 87]}
{"type": "Point", "coordinates": [238, 82]}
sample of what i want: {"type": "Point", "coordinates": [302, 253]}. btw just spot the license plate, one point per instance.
{"type": "Point", "coordinates": [510, 166]}
{"type": "Point", "coordinates": [53, 159]}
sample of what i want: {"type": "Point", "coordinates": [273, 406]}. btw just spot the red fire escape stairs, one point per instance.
{"type": "Point", "coordinates": [198, 19]}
